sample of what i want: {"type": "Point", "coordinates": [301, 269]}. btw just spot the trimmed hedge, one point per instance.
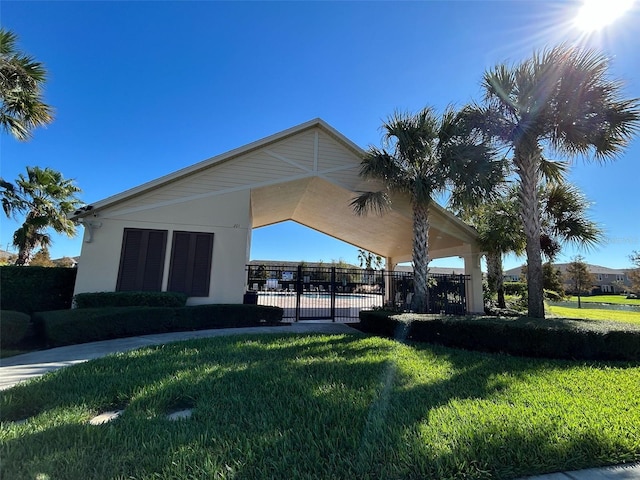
{"type": "Point", "coordinates": [36, 289]}
{"type": "Point", "coordinates": [13, 327]}
{"type": "Point", "coordinates": [515, 288]}
{"type": "Point", "coordinates": [130, 299]}
{"type": "Point", "coordinates": [226, 316]}
{"type": "Point", "coordinates": [550, 338]}
{"type": "Point", "coordinates": [69, 327]}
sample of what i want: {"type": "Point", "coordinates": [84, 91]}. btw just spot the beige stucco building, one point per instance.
{"type": "Point", "coordinates": [191, 230]}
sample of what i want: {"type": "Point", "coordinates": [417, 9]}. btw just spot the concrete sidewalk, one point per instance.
{"type": "Point", "coordinates": [630, 471]}
{"type": "Point", "coordinates": [30, 365]}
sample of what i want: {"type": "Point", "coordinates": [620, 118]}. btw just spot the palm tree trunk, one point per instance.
{"type": "Point", "coordinates": [526, 156]}
{"type": "Point", "coordinates": [24, 257]}
{"type": "Point", "coordinates": [420, 301]}
{"type": "Point", "coordinates": [495, 276]}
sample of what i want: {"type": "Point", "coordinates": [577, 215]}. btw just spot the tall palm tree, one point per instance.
{"type": "Point", "coordinates": [21, 83]}
{"type": "Point", "coordinates": [564, 219]}
{"type": "Point", "coordinates": [561, 99]}
{"type": "Point", "coordinates": [426, 154]}
{"type": "Point", "coordinates": [45, 197]}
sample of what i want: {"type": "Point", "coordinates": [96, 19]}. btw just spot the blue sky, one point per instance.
{"type": "Point", "coordinates": [142, 89]}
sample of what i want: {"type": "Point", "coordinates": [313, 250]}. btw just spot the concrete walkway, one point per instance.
{"type": "Point", "coordinates": [30, 365]}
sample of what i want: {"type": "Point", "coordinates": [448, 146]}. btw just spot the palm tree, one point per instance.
{"type": "Point", "coordinates": [45, 197]}
{"type": "Point", "coordinates": [426, 154]}
{"type": "Point", "coordinates": [564, 220]}
{"type": "Point", "coordinates": [499, 233]}
{"type": "Point", "coordinates": [21, 82]}
{"type": "Point", "coordinates": [562, 99]}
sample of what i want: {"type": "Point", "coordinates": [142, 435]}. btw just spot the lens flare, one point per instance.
{"type": "Point", "coordinates": [597, 14]}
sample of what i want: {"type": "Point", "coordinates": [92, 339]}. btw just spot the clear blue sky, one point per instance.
{"type": "Point", "coordinates": [142, 89]}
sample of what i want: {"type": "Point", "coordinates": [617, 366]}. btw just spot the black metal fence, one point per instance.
{"type": "Point", "coordinates": [339, 294]}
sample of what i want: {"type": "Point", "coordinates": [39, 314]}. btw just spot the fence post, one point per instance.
{"type": "Point", "coordinates": [299, 287]}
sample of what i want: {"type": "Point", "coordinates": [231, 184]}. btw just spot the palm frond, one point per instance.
{"type": "Point", "coordinates": [377, 202]}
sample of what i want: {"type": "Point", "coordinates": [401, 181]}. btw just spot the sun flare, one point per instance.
{"type": "Point", "coordinates": [596, 14]}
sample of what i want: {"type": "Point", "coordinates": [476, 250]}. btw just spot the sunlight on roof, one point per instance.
{"type": "Point", "coordinates": [596, 14]}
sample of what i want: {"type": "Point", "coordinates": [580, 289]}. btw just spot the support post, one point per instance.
{"type": "Point", "coordinates": [475, 301]}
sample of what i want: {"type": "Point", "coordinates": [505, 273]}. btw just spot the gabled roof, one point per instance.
{"type": "Point", "coordinates": [216, 160]}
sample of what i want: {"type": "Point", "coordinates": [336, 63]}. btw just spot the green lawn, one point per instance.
{"type": "Point", "coordinates": [304, 407]}
{"type": "Point", "coordinates": [613, 299]}
{"type": "Point", "coordinates": [594, 314]}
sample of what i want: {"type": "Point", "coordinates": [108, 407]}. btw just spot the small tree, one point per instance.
{"type": "Point", "coordinates": [578, 274]}
{"type": "Point", "coordinates": [42, 259]}
{"type": "Point", "coordinates": [552, 278]}
{"type": "Point", "coordinates": [634, 274]}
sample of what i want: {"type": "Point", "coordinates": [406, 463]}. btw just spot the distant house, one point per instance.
{"type": "Point", "coordinates": [605, 280]}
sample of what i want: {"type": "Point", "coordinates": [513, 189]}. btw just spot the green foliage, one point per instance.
{"type": "Point", "coordinates": [553, 295]}
{"type": "Point", "coordinates": [552, 279]}
{"type": "Point", "coordinates": [553, 338]}
{"type": "Point", "coordinates": [35, 289]}
{"type": "Point", "coordinates": [362, 407]}
{"type": "Point", "coordinates": [66, 327]}
{"type": "Point", "coordinates": [129, 299]}
{"type": "Point", "coordinates": [13, 327]}
{"type": "Point", "coordinates": [46, 199]}
{"type": "Point", "coordinates": [221, 316]}
{"type": "Point", "coordinates": [21, 90]}
{"type": "Point", "coordinates": [42, 259]}
{"type": "Point", "coordinates": [515, 288]}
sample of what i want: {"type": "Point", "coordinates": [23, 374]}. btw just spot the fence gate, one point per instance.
{"type": "Point", "coordinates": [314, 293]}
{"type": "Point", "coordinates": [339, 294]}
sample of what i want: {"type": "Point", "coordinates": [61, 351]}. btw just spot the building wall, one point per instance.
{"type": "Point", "coordinates": [227, 216]}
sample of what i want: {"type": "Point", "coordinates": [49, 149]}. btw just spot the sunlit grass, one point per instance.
{"type": "Point", "coordinates": [595, 314]}
{"type": "Point", "coordinates": [613, 299]}
{"type": "Point", "coordinates": [319, 406]}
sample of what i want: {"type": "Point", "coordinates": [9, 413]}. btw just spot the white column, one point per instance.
{"type": "Point", "coordinates": [389, 267]}
{"type": "Point", "coordinates": [475, 303]}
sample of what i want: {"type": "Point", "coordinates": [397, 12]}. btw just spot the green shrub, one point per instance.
{"type": "Point", "coordinates": [231, 315]}
{"type": "Point", "coordinates": [130, 299]}
{"type": "Point", "coordinates": [553, 295]}
{"type": "Point", "coordinates": [550, 338]}
{"type": "Point", "coordinates": [34, 289]}
{"type": "Point", "coordinates": [515, 288]}
{"type": "Point", "coordinates": [13, 327]}
{"type": "Point", "coordinates": [66, 327]}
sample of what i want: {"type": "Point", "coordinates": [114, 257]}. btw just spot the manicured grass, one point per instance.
{"type": "Point", "coordinates": [613, 299]}
{"type": "Point", "coordinates": [303, 407]}
{"type": "Point", "coordinates": [594, 314]}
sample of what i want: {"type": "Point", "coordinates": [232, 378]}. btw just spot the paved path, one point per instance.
{"type": "Point", "coordinates": [23, 367]}
{"type": "Point", "coordinates": [30, 365]}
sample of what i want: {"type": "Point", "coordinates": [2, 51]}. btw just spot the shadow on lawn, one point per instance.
{"type": "Point", "coordinates": [296, 407]}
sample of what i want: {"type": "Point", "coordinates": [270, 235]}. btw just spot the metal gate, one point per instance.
{"type": "Point", "coordinates": [339, 294]}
